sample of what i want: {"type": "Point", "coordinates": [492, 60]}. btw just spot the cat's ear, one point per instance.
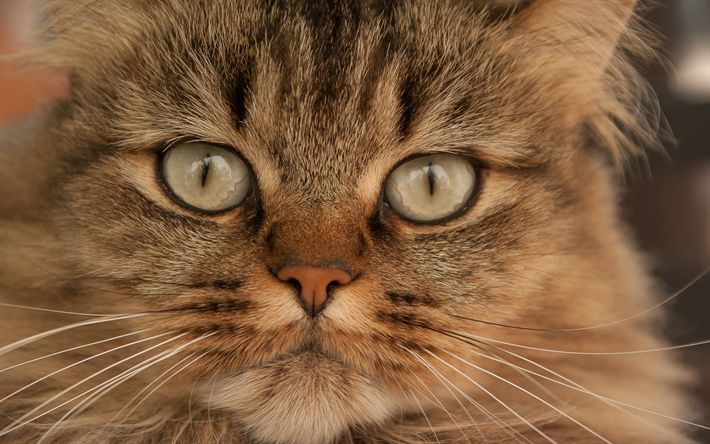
{"type": "Point", "coordinates": [79, 36]}
{"type": "Point", "coordinates": [581, 54]}
{"type": "Point", "coordinates": [585, 31]}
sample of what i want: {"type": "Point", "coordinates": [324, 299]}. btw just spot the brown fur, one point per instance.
{"type": "Point", "coordinates": [323, 99]}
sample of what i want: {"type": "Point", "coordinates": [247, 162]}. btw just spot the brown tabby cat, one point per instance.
{"type": "Point", "coordinates": [283, 221]}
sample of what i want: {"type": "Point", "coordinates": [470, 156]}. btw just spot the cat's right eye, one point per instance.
{"type": "Point", "coordinates": [431, 189]}
{"type": "Point", "coordinates": [205, 177]}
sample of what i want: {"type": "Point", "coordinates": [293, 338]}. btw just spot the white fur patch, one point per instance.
{"type": "Point", "coordinates": [302, 398]}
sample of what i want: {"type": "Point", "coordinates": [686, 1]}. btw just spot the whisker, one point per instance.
{"type": "Point", "coordinates": [108, 315]}
{"type": "Point", "coordinates": [611, 402]}
{"type": "Point", "coordinates": [540, 432]}
{"type": "Point", "coordinates": [476, 343]}
{"type": "Point", "coordinates": [547, 391]}
{"type": "Point", "coordinates": [443, 380]}
{"type": "Point", "coordinates": [37, 381]}
{"type": "Point", "coordinates": [632, 352]}
{"type": "Point", "coordinates": [128, 415]}
{"type": "Point", "coordinates": [209, 404]}
{"type": "Point", "coordinates": [64, 312]}
{"type": "Point", "coordinates": [146, 388]}
{"type": "Point", "coordinates": [10, 347]}
{"type": "Point", "coordinates": [608, 324]}
{"type": "Point", "coordinates": [189, 408]}
{"type": "Point", "coordinates": [425, 417]}
{"type": "Point", "coordinates": [527, 392]}
{"type": "Point", "coordinates": [401, 412]}
{"type": "Point", "coordinates": [14, 426]}
{"type": "Point", "coordinates": [438, 402]}
{"type": "Point", "coordinates": [587, 391]}
{"type": "Point", "coordinates": [74, 348]}
{"type": "Point", "coordinates": [118, 380]}
{"type": "Point", "coordinates": [186, 424]}
{"type": "Point", "coordinates": [94, 393]}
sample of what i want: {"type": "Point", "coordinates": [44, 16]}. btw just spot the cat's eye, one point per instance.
{"type": "Point", "coordinates": [431, 188]}
{"type": "Point", "coordinates": [206, 177]}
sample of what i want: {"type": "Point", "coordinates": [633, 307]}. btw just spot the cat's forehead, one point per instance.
{"type": "Point", "coordinates": [323, 89]}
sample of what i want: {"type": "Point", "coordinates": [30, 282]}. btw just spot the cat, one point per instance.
{"type": "Point", "coordinates": [263, 221]}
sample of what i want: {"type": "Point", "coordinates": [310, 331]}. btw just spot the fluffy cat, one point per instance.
{"type": "Point", "coordinates": [262, 221]}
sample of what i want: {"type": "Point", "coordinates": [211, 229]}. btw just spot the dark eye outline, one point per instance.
{"type": "Point", "coordinates": [386, 207]}
{"type": "Point", "coordinates": [249, 201]}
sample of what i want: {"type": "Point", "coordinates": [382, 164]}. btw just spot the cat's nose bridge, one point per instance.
{"type": "Point", "coordinates": [314, 283]}
{"type": "Point", "coordinates": [315, 241]}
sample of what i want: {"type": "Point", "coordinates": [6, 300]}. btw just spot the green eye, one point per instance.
{"type": "Point", "coordinates": [431, 188]}
{"type": "Point", "coordinates": [206, 177]}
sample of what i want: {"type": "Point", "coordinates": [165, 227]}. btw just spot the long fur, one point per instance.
{"type": "Point", "coordinates": [323, 99]}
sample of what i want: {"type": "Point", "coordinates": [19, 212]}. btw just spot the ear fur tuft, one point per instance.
{"type": "Point", "coordinates": [590, 46]}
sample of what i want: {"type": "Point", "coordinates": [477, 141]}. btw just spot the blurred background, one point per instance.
{"type": "Point", "coordinates": [668, 205]}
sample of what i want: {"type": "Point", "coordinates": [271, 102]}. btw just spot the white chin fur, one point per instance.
{"type": "Point", "coordinates": [302, 398]}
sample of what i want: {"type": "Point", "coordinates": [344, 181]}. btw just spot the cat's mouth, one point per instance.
{"type": "Point", "coordinates": [311, 355]}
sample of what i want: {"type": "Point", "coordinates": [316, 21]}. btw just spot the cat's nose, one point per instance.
{"type": "Point", "coordinates": [314, 282]}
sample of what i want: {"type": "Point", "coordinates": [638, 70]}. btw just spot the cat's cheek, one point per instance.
{"type": "Point", "coordinates": [141, 171]}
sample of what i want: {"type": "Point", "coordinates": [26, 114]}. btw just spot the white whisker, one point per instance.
{"type": "Point", "coordinates": [578, 387]}
{"type": "Point", "coordinates": [540, 432]}
{"type": "Point", "coordinates": [608, 324]}
{"type": "Point", "coordinates": [209, 404]}
{"type": "Point", "coordinates": [438, 402]}
{"type": "Point", "coordinates": [435, 402]}
{"type": "Point", "coordinates": [74, 348]}
{"type": "Point", "coordinates": [527, 392]}
{"type": "Point", "coordinates": [633, 352]}
{"type": "Point", "coordinates": [443, 381]}
{"type": "Point", "coordinates": [146, 388]}
{"type": "Point", "coordinates": [17, 344]}
{"type": "Point", "coordinates": [485, 411]}
{"type": "Point", "coordinates": [188, 422]}
{"type": "Point", "coordinates": [77, 363]}
{"type": "Point", "coordinates": [529, 378]}
{"type": "Point", "coordinates": [425, 417]}
{"type": "Point", "coordinates": [76, 313]}
{"type": "Point", "coordinates": [15, 426]}
{"type": "Point", "coordinates": [608, 401]}
{"type": "Point", "coordinates": [128, 415]}
{"type": "Point", "coordinates": [93, 394]}
{"type": "Point", "coordinates": [117, 380]}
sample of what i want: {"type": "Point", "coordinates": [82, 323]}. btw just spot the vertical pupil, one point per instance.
{"type": "Point", "coordinates": [205, 168]}
{"type": "Point", "coordinates": [430, 173]}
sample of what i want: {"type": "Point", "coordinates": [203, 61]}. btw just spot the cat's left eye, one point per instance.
{"type": "Point", "coordinates": [206, 177]}
{"type": "Point", "coordinates": [431, 189]}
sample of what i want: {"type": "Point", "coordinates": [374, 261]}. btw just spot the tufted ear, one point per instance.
{"type": "Point", "coordinates": [587, 30]}
{"type": "Point", "coordinates": [81, 36]}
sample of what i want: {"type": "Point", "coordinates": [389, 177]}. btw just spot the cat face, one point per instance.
{"type": "Point", "coordinates": [321, 104]}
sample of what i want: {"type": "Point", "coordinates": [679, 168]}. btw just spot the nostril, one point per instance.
{"type": "Point", "coordinates": [330, 286]}
{"type": "Point", "coordinates": [296, 284]}
{"type": "Point", "coordinates": [313, 284]}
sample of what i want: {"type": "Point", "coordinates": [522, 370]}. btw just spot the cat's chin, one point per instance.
{"type": "Point", "coordinates": [304, 397]}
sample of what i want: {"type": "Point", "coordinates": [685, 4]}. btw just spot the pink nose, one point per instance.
{"type": "Point", "coordinates": [314, 283]}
